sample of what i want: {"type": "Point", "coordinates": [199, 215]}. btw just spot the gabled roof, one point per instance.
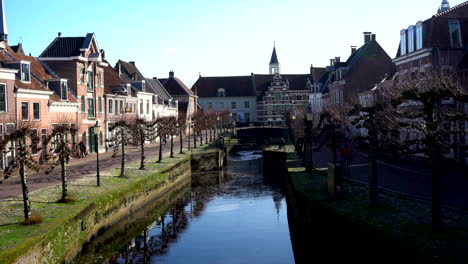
{"type": "Point", "coordinates": [450, 12]}
{"type": "Point", "coordinates": [39, 74]}
{"type": "Point", "coordinates": [111, 79]}
{"type": "Point", "coordinates": [296, 81]}
{"type": "Point", "coordinates": [129, 72]}
{"type": "Point", "coordinates": [159, 88]}
{"type": "Point", "coordinates": [317, 74]}
{"type": "Point", "coordinates": [233, 86]}
{"type": "Point", "coordinates": [274, 58]}
{"type": "Point", "coordinates": [68, 46]}
{"type": "Point", "coordinates": [175, 86]}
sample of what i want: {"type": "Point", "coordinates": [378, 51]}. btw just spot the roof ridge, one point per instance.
{"type": "Point", "coordinates": [50, 45]}
{"type": "Point", "coordinates": [451, 9]}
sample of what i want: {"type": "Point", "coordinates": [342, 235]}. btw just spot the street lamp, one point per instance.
{"type": "Point", "coordinates": [97, 130]}
{"type": "Point", "coordinates": [309, 146]}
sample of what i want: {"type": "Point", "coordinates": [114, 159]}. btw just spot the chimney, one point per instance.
{"type": "Point", "coordinates": [337, 59]}
{"type": "Point", "coordinates": [367, 37]}
{"type": "Point", "coordinates": [374, 37]}
{"type": "Point", "coordinates": [60, 34]}
{"type": "Point", "coordinates": [311, 69]}
{"type": "Point", "coordinates": [155, 78]}
{"type": "Point", "coordinates": [120, 67]}
{"type": "Point", "coordinates": [132, 63]}
{"type": "Point", "coordinates": [332, 62]}
{"type": "Point", "coordinates": [353, 49]}
{"type": "Point", "coordinates": [171, 74]}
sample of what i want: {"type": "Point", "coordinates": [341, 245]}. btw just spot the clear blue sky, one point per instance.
{"type": "Point", "coordinates": [216, 38]}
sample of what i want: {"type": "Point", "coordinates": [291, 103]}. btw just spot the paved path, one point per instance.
{"type": "Point", "coordinates": [406, 177]}
{"type": "Point", "coordinates": [79, 168]}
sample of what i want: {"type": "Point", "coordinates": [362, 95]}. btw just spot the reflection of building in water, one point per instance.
{"type": "Point", "coordinates": [277, 199]}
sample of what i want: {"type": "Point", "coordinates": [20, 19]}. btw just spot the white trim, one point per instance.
{"type": "Point", "coordinates": [8, 74]}
{"type": "Point", "coordinates": [413, 56]}
{"type": "Point", "coordinates": [81, 58]}
{"type": "Point", "coordinates": [39, 111]}
{"type": "Point", "coordinates": [33, 94]}
{"type": "Point", "coordinates": [6, 98]}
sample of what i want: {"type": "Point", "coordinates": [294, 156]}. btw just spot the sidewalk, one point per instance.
{"type": "Point", "coordinates": [408, 178]}
{"type": "Point", "coordinates": [84, 167]}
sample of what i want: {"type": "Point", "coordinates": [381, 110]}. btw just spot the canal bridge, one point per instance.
{"type": "Point", "coordinates": [261, 135]}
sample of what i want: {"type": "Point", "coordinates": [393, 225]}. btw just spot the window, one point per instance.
{"type": "Point", "coordinates": [147, 107]}
{"type": "Point", "coordinates": [37, 111]}
{"type": "Point", "coordinates": [82, 74]}
{"type": "Point", "coordinates": [455, 33]}
{"type": "Point", "coordinates": [121, 107]}
{"type": "Point", "coordinates": [83, 104]}
{"type": "Point", "coordinates": [278, 96]}
{"type": "Point", "coordinates": [247, 104]}
{"type": "Point", "coordinates": [3, 98]}
{"type": "Point", "coordinates": [233, 105]}
{"type": "Point", "coordinates": [209, 105]}
{"type": "Point", "coordinates": [25, 72]}
{"type": "Point", "coordinates": [64, 91]}
{"type": "Point", "coordinates": [410, 39]}
{"type": "Point", "coordinates": [221, 92]}
{"type": "Point", "coordinates": [34, 147]}
{"type": "Point", "coordinates": [90, 107]}
{"type": "Point", "coordinates": [403, 42]}
{"type": "Point", "coordinates": [116, 107]}
{"type": "Point", "coordinates": [141, 106]}
{"type": "Point", "coordinates": [99, 105]}
{"type": "Point", "coordinates": [247, 117]}
{"type": "Point", "coordinates": [419, 36]}
{"type": "Point", "coordinates": [110, 106]}
{"type": "Point", "coordinates": [99, 81]}
{"type": "Point", "coordinates": [90, 81]}
{"type": "Point", "coordinates": [24, 111]}
{"type": "Point", "coordinates": [221, 105]}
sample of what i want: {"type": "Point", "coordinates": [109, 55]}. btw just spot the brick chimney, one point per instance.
{"type": "Point", "coordinates": [374, 37]}
{"type": "Point", "coordinates": [171, 74]}
{"type": "Point", "coordinates": [132, 63]}
{"type": "Point", "coordinates": [367, 37]}
{"type": "Point", "coordinates": [353, 49]}
{"type": "Point", "coordinates": [60, 34]}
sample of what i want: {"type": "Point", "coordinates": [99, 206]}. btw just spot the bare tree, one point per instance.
{"type": "Point", "coordinates": [181, 126]}
{"type": "Point", "coordinates": [142, 132]}
{"type": "Point", "coordinates": [161, 125]}
{"type": "Point", "coordinates": [121, 130]}
{"type": "Point", "coordinates": [61, 152]}
{"type": "Point", "coordinates": [21, 142]}
{"type": "Point", "coordinates": [332, 128]}
{"type": "Point", "coordinates": [172, 131]}
{"type": "Point", "coordinates": [421, 111]}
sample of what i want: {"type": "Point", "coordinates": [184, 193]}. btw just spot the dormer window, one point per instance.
{"type": "Point", "coordinates": [419, 35]}
{"type": "Point", "coordinates": [221, 92]}
{"type": "Point", "coordinates": [455, 33]}
{"type": "Point", "coordinates": [25, 72]}
{"type": "Point", "coordinates": [63, 91]}
{"type": "Point", "coordinates": [403, 42]}
{"type": "Point", "coordinates": [410, 39]}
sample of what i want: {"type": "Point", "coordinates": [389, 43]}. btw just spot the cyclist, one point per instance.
{"type": "Point", "coordinates": [345, 154]}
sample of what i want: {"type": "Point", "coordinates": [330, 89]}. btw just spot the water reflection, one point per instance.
{"type": "Point", "coordinates": [232, 216]}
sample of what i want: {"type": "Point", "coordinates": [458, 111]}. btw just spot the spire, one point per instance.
{"type": "Point", "coordinates": [274, 64]}
{"type": "Point", "coordinates": [444, 7]}
{"type": "Point", "coordinates": [274, 58]}
{"type": "Point", "coordinates": [3, 27]}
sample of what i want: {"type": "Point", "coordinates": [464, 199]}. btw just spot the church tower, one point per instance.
{"type": "Point", "coordinates": [444, 7]}
{"type": "Point", "coordinates": [3, 27]}
{"type": "Point", "coordinates": [274, 64]}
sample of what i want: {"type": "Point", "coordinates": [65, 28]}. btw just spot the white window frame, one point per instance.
{"type": "Point", "coordinates": [82, 75]}
{"type": "Point", "coordinates": [6, 99]}
{"type": "Point", "coordinates": [233, 105]}
{"type": "Point", "coordinates": [411, 34]}
{"type": "Point", "coordinates": [61, 91]}
{"type": "Point", "coordinates": [403, 42]}
{"type": "Point", "coordinates": [21, 71]}
{"type": "Point", "coordinates": [110, 106]}
{"type": "Point", "coordinates": [39, 103]}
{"type": "Point", "coordinates": [419, 35]}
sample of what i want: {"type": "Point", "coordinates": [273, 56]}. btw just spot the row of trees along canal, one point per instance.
{"type": "Point", "coordinates": [22, 143]}
{"type": "Point", "coordinates": [410, 103]}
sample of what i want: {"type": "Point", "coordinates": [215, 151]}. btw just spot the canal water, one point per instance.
{"type": "Point", "coordinates": [237, 215]}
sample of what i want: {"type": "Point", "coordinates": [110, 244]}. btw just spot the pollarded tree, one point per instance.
{"type": "Point", "coordinates": [60, 153]}
{"type": "Point", "coordinates": [142, 132]}
{"type": "Point", "coordinates": [181, 126]}
{"type": "Point", "coordinates": [199, 125]}
{"type": "Point", "coordinates": [172, 131]}
{"type": "Point", "coordinates": [21, 142]}
{"type": "Point", "coordinates": [161, 126]}
{"type": "Point", "coordinates": [121, 131]}
{"type": "Point", "coordinates": [421, 111]}
{"type": "Point", "coordinates": [332, 128]}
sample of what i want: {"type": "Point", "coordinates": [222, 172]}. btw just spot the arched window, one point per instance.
{"type": "Point", "coordinates": [419, 35]}
{"type": "Point", "coordinates": [403, 42]}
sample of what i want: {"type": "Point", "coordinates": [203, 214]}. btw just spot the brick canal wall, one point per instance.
{"type": "Point", "coordinates": [67, 235]}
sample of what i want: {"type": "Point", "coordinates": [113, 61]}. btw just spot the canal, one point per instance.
{"type": "Point", "coordinates": [237, 215]}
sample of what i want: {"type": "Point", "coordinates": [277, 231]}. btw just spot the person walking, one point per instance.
{"type": "Point", "coordinates": [82, 149]}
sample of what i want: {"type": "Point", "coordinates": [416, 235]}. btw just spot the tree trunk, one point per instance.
{"type": "Point", "coordinates": [194, 139]}
{"type": "Point", "coordinates": [172, 146]}
{"type": "Point", "coordinates": [122, 165]}
{"type": "Point", "coordinates": [24, 185]}
{"type": "Point", "coordinates": [63, 165]}
{"type": "Point", "coordinates": [160, 149]}
{"type": "Point", "coordinates": [142, 161]}
{"type": "Point", "coordinates": [206, 136]}
{"type": "Point", "coordinates": [181, 144]}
